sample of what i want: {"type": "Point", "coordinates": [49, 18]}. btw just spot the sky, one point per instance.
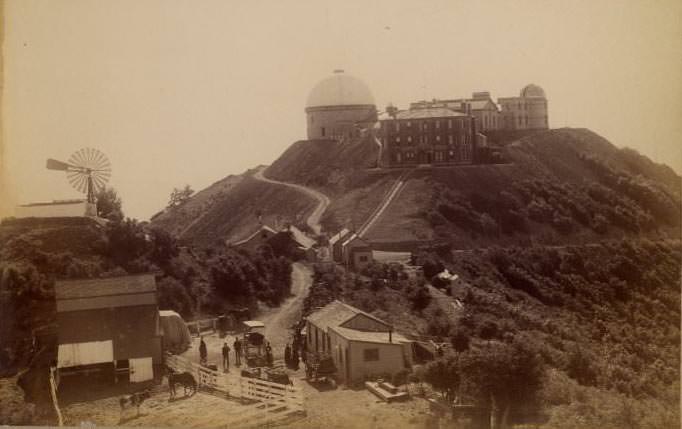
{"type": "Point", "coordinates": [188, 92]}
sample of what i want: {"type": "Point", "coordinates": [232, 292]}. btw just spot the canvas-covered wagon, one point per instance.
{"type": "Point", "coordinates": [176, 336]}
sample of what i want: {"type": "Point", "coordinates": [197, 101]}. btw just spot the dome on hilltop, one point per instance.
{"type": "Point", "coordinates": [340, 89]}
{"type": "Point", "coordinates": [532, 91]}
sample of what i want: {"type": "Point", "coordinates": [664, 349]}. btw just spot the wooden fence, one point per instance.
{"type": "Point", "coordinates": [274, 397]}
{"type": "Point", "coordinates": [53, 394]}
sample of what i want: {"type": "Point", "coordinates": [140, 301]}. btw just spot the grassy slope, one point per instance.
{"type": "Point", "coordinates": [550, 157]}
{"type": "Point", "coordinates": [232, 213]}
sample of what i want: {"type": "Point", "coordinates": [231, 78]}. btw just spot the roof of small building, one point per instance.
{"type": "Point", "coordinates": [90, 294]}
{"type": "Point", "coordinates": [88, 288]}
{"type": "Point", "coordinates": [301, 238]}
{"type": "Point", "coordinates": [255, 233]}
{"type": "Point", "coordinates": [336, 313]}
{"type": "Point", "coordinates": [369, 336]}
{"type": "Point", "coordinates": [339, 236]}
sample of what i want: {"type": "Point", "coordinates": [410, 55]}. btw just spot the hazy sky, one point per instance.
{"type": "Point", "coordinates": [187, 92]}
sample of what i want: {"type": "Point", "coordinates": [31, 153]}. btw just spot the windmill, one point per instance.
{"type": "Point", "coordinates": [88, 170]}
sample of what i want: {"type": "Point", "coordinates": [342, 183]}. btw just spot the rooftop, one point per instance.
{"type": "Point", "coordinates": [90, 294]}
{"type": "Point", "coordinates": [369, 336]}
{"type": "Point", "coordinates": [429, 112]}
{"type": "Point", "coordinates": [336, 313]}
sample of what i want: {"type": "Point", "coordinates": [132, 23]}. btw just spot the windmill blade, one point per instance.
{"type": "Point", "coordinates": [53, 164]}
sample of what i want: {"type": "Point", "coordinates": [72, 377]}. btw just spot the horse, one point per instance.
{"type": "Point", "coordinates": [186, 379]}
{"type": "Point", "coordinates": [134, 400]}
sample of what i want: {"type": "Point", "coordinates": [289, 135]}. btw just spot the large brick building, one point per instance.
{"type": "Point", "coordinates": [427, 135]}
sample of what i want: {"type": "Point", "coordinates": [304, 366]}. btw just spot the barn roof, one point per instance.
{"type": "Point", "coordinates": [87, 294]}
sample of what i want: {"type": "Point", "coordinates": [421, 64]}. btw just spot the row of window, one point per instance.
{"type": "Point", "coordinates": [460, 154]}
{"type": "Point", "coordinates": [368, 355]}
{"type": "Point", "coordinates": [424, 125]}
{"type": "Point", "coordinates": [424, 139]}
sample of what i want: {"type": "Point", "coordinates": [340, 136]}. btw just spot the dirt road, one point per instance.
{"type": "Point", "coordinates": [313, 220]}
{"type": "Point", "coordinates": [278, 320]}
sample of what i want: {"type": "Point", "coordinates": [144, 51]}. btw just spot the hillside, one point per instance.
{"type": "Point", "coordinates": [557, 186]}
{"type": "Point", "coordinates": [231, 210]}
{"type": "Point", "coordinates": [35, 252]}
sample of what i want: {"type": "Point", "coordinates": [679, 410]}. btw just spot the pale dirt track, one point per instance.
{"type": "Point", "coordinates": [322, 200]}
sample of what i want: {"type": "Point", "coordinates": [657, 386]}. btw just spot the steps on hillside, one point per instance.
{"type": "Point", "coordinates": [390, 196]}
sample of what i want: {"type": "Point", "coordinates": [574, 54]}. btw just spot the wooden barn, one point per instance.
{"type": "Point", "coordinates": [361, 345]}
{"type": "Point", "coordinates": [110, 323]}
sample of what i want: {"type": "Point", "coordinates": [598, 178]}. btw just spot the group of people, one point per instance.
{"type": "Point", "coordinates": [203, 353]}
{"type": "Point", "coordinates": [291, 357]}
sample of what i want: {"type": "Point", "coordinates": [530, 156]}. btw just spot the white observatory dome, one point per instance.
{"type": "Point", "coordinates": [532, 90]}
{"type": "Point", "coordinates": [340, 89]}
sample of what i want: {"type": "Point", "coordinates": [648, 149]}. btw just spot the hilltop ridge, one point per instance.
{"type": "Point", "coordinates": [563, 185]}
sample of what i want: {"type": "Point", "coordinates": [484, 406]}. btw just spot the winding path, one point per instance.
{"type": "Point", "coordinates": [313, 220]}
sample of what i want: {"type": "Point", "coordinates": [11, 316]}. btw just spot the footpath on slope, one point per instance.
{"type": "Point", "coordinates": [313, 220]}
{"type": "Point", "coordinates": [390, 196]}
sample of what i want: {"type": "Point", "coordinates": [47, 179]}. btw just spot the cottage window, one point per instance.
{"type": "Point", "coordinates": [363, 258]}
{"type": "Point", "coordinates": [370, 355]}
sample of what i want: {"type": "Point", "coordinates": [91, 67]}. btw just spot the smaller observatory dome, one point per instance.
{"type": "Point", "coordinates": [532, 91]}
{"type": "Point", "coordinates": [340, 89]}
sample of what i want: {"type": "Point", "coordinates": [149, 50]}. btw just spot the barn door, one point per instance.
{"type": "Point", "coordinates": [141, 369]}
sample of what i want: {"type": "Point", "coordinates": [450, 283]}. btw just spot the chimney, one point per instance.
{"type": "Point", "coordinates": [390, 334]}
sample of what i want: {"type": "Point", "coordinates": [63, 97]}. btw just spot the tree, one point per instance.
{"type": "Point", "coordinates": [460, 339]}
{"type": "Point", "coordinates": [109, 204]}
{"type": "Point", "coordinates": [164, 247]}
{"type": "Point", "coordinates": [180, 196]}
{"type": "Point", "coordinates": [443, 375]}
{"type": "Point", "coordinates": [503, 375]}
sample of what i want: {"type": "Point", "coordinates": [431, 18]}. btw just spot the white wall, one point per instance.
{"type": "Point", "coordinates": [56, 210]}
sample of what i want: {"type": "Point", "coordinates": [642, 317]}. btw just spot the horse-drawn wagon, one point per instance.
{"type": "Point", "coordinates": [320, 368]}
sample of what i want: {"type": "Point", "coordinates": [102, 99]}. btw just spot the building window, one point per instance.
{"type": "Point", "coordinates": [424, 126]}
{"type": "Point", "coordinates": [363, 258]}
{"type": "Point", "coordinates": [341, 356]}
{"type": "Point", "coordinates": [409, 139]}
{"type": "Point", "coordinates": [370, 355]}
{"type": "Point", "coordinates": [397, 139]}
{"type": "Point", "coordinates": [409, 124]}
{"type": "Point", "coordinates": [323, 131]}
{"type": "Point", "coordinates": [437, 138]}
{"type": "Point", "coordinates": [437, 125]}
{"type": "Point", "coordinates": [398, 158]}
{"type": "Point", "coordinates": [450, 139]}
{"type": "Point", "coordinates": [329, 343]}
{"type": "Point", "coordinates": [450, 123]}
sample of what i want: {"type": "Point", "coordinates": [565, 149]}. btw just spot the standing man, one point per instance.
{"type": "Point", "coordinates": [237, 351]}
{"type": "Point", "coordinates": [226, 357]}
{"type": "Point", "coordinates": [203, 353]}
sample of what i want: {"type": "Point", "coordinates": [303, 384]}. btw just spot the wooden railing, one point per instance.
{"type": "Point", "coordinates": [288, 397]}
{"type": "Point", "coordinates": [53, 394]}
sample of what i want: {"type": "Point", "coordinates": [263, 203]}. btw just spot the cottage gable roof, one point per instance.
{"type": "Point", "coordinates": [258, 231]}
{"type": "Point", "coordinates": [337, 313]}
{"type": "Point", "coordinates": [369, 336]}
{"type": "Point", "coordinates": [301, 238]}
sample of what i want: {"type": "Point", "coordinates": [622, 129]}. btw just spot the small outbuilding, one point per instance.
{"type": "Point", "coordinates": [357, 253]}
{"type": "Point", "coordinates": [109, 323]}
{"type": "Point", "coordinates": [335, 244]}
{"type": "Point", "coordinates": [361, 345]}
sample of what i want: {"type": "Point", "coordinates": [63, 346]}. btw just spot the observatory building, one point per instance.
{"type": "Point", "coordinates": [338, 107]}
{"type": "Point", "coordinates": [526, 112]}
